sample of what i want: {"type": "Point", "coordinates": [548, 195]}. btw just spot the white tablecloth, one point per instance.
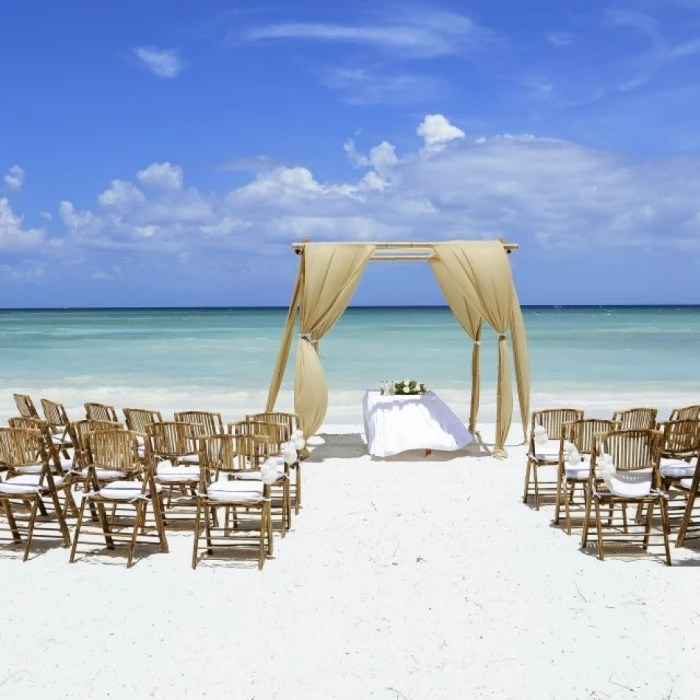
{"type": "Point", "coordinates": [394, 424]}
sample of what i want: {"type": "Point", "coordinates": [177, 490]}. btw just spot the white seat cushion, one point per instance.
{"type": "Point", "coordinates": [677, 468]}
{"type": "Point", "coordinates": [124, 490]}
{"type": "Point", "coordinates": [635, 484]}
{"type": "Point", "coordinates": [236, 491]}
{"type": "Point", "coordinates": [61, 440]}
{"type": "Point", "coordinates": [25, 484]}
{"type": "Point", "coordinates": [256, 475]}
{"type": "Point", "coordinates": [686, 484]}
{"type": "Point", "coordinates": [548, 452]}
{"type": "Point", "coordinates": [189, 459]}
{"type": "Point", "coordinates": [66, 466]}
{"type": "Point", "coordinates": [580, 471]}
{"type": "Point", "coordinates": [103, 474]}
{"type": "Point", "coordinates": [167, 473]}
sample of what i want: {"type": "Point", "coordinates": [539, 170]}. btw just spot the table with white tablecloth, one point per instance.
{"type": "Point", "coordinates": [395, 424]}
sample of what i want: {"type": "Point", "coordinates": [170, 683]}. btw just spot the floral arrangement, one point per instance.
{"type": "Point", "coordinates": [291, 449]}
{"type": "Point", "coordinates": [409, 387]}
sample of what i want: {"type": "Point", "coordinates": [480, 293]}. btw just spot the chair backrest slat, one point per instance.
{"type": "Point", "coordinates": [138, 418]}
{"type": "Point", "coordinates": [101, 411]}
{"type": "Point", "coordinates": [633, 449]}
{"type": "Point", "coordinates": [636, 418]}
{"type": "Point", "coordinates": [586, 433]}
{"type": "Point", "coordinates": [55, 413]}
{"type": "Point", "coordinates": [114, 449]}
{"type": "Point", "coordinates": [212, 421]}
{"type": "Point", "coordinates": [25, 406]}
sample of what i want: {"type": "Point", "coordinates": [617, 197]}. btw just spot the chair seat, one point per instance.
{"type": "Point", "coordinates": [256, 475]}
{"type": "Point", "coordinates": [26, 484]}
{"type": "Point", "coordinates": [189, 459]}
{"type": "Point", "coordinates": [103, 474]}
{"type": "Point", "coordinates": [635, 484]}
{"type": "Point", "coordinates": [167, 473]}
{"type": "Point", "coordinates": [549, 452]}
{"type": "Point", "coordinates": [236, 491]}
{"type": "Point", "coordinates": [124, 490]}
{"type": "Point", "coordinates": [685, 484]}
{"type": "Point", "coordinates": [676, 468]}
{"type": "Point", "coordinates": [580, 472]}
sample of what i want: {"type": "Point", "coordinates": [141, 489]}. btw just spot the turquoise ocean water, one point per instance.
{"type": "Point", "coordinates": [188, 358]}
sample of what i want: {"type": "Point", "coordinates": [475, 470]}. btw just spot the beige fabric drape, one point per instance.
{"type": "Point", "coordinates": [329, 277]}
{"type": "Point", "coordinates": [470, 320]}
{"type": "Point", "coordinates": [285, 347]}
{"type": "Point", "coordinates": [522, 362]}
{"type": "Point", "coordinates": [480, 270]}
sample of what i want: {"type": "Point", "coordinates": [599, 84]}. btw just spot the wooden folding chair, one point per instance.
{"type": "Point", "coordinates": [117, 450]}
{"type": "Point", "coordinates": [690, 525]}
{"type": "Point", "coordinates": [584, 435]}
{"type": "Point", "coordinates": [636, 419]}
{"type": "Point", "coordinates": [547, 455]}
{"type": "Point", "coordinates": [275, 435]}
{"type": "Point", "coordinates": [630, 475]}
{"type": "Point", "coordinates": [223, 459]}
{"type": "Point", "coordinates": [25, 406]}
{"type": "Point", "coordinates": [291, 421]}
{"type": "Point", "coordinates": [57, 418]}
{"type": "Point", "coordinates": [212, 422]}
{"type": "Point", "coordinates": [30, 480]}
{"type": "Point", "coordinates": [685, 413]}
{"type": "Point", "coordinates": [101, 411]}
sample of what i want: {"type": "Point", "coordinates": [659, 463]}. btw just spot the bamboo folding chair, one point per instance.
{"type": "Point", "coordinates": [30, 480]}
{"type": "Point", "coordinates": [223, 459]}
{"type": "Point", "coordinates": [212, 422]}
{"type": "Point", "coordinates": [275, 435]}
{"type": "Point", "coordinates": [685, 413]}
{"type": "Point", "coordinates": [584, 435]}
{"type": "Point", "coordinates": [291, 421]}
{"type": "Point", "coordinates": [636, 419]}
{"type": "Point", "coordinates": [57, 418]}
{"type": "Point", "coordinates": [61, 467]}
{"type": "Point", "coordinates": [81, 458]}
{"type": "Point", "coordinates": [630, 477]}
{"type": "Point", "coordinates": [174, 455]}
{"type": "Point", "coordinates": [554, 421]}
{"type": "Point", "coordinates": [101, 411]}
{"type": "Point", "coordinates": [25, 406]}
{"type": "Point", "coordinates": [117, 450]}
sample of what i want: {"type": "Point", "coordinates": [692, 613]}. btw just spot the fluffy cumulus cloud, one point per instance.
{"type": "Point", "coordinates": [14, 236]}
{"type": "Point", "coordinates": [14, 179]}
{"type": "Point", "coordinates": [165, 63]}
{"type": "Point", "coordinates": [542, 192]}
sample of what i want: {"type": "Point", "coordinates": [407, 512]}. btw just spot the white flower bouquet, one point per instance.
{"type": "Point", "coordinates": [409, 387]}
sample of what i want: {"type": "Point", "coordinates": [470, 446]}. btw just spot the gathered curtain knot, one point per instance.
{"type": "Point", "coordinates": [501, 335]}
{"type": "Point", "coordinates": [477, 342]}
{"type": "Point", "coordinates": [306, 336]}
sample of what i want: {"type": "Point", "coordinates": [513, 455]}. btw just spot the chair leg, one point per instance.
{"type": "Point", "coordinates": [624, 518]}
{"type": "Point", "coordinates": [587, 503]}
{"type": "Point", "coordinates": [78, 526]}
{"type": "Point", "coordinates": [567, 509]}
{"type": "Point", "coordinates": [297, 484]}
{"type": "Point", "coordinates": [139, 506]}
{"type": "Point", "coordinates": [61, 519]}
{"type": "Point", "coordinates": [537, 487]}
{"type": "Point", "coordinates": [102, 515]}
{"type": "Point", "coordinates": [197, 527]}
{"type": "Point", "coordinates": [685, 523]}
{"type": "Point", "coordinates": [560, 477]}
{"type": "Point", "coordinates": [527, 481]}
{"type": "Point", "coordinates": [599, 528]}
{"type": "Point", "coordinates": [156, 504]}
{"type": "Point", "coordinates": [30, 529]}
{"type": "Point", "coordinates": [207, 527]}
{"type": "Point", "coordinates": [12, 522]}
{"type": "Point", "coordinates": [647, 530]}
{"type": "Point", "coordinates": [665, 528]}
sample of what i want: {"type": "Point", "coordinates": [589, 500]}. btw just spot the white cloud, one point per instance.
{"type": "Point", "coordinates": [121, 193]}
{"type": "Point", "coordinates": [560, 39]}
{"type": "Point", "coordinates": [417, 33]}
{"type": "Point", "coordinates": [13, 235]}
{"type": "Point", "coordinates": [362, 86]}
{"type": "Point", "coordinates": [165, 63]}
{"type": "Point", "coordinates": [436, 131]}
{"type": "Point", "coordinates": [161, 175]}
{"type": "Point", "coordinates": [14, 179]}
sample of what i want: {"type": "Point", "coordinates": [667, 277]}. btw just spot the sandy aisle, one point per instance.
{"type": "Point", "coordinates": [414, 579]}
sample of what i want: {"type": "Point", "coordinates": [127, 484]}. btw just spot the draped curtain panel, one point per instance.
{"type": "Point", "coordinates": [522, 362]}
{"type": "Point", "coordinates": [329, 277]}
{"type": "Point", "coordinates": [480, 270]}
{"type": "Point", "coordinates": [470, 320]}
{"type": "Point", "coordinates": [285, 347]}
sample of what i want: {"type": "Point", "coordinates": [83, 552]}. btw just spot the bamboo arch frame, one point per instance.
{"type": "Point", "coordinates": [477, 285]}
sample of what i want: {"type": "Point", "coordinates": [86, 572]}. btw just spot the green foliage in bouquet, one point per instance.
{"type": "Point", "coordinates": [409, 387]}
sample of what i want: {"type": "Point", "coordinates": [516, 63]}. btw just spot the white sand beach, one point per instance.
{"type": "Point", "coordinates": [410, 578]}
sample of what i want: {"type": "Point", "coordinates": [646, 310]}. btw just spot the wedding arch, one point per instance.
{"type": "Point", "coordinates": [476, 280]}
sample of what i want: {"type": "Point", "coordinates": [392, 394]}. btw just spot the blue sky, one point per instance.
{"type": "Point", "coordinates": [167, 153]}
